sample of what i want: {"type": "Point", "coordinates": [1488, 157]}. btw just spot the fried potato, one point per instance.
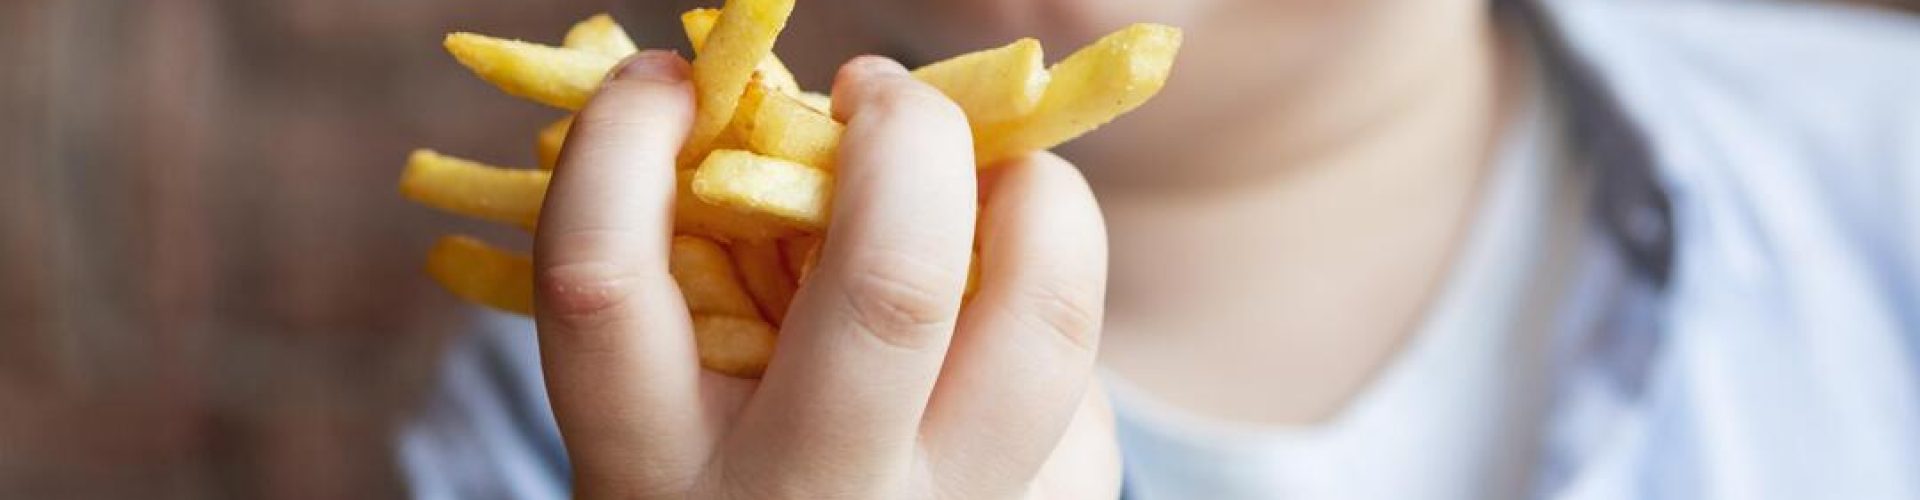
{"type": "Point", "coordinates": [482, 274]}
{"type": "Point", "coordinates": [741, 38]}
{"type": "Point", "coordinates": [734, 346]}
{"type": "Point", "coordinates": [992, 86]}
{"type": "Point", "coordinates": [601, 35]}
{"type": "Point", "coordinates": [699, 23]}
{"type": "Point", "coordinates": [754, 190]}
{"type": "Point", "coordinates": [777, 124]}
{"type": "Point", "coordinates": [514, 196]}
{"type": "Point", "coordinates": [1090, 88]}
{"type": "Point", "coordinates": [973, 276]}
{"type": "Point", "coordinates": [550, 140]}
{"type": "Point", "coordinates": [764, 271]}
{"type": "Point", "coordinates": [818, 101]}
{"type": "Point", "coordinates": [558, 77]}
{"type": "Point", "coordinates": [707, 279]}
{"type": "Point", "coordinates": [691, 215]}
{"type": "Point", "coordinates": [800, 253]}
{"type": "Point", "coordinates": [794, 193]}
{"type": "Point", "coordinates": [508, 196]}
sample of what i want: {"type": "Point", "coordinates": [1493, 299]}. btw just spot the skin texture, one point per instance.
{"type": "Point", "coordinates": [1262, 271]}
{"type": "Point", "coordinates": [882, 386]}
{"type": "Point", "coordinates": [1282, 214]}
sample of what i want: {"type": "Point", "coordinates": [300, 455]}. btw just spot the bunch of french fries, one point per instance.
{"type": "Point", "coordinates": [756, 178]}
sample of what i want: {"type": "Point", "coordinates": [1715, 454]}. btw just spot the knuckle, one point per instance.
{"type": "Point", "coordinates": [1071, 308]}
{"type": "Point", "coordinates": [903, 301]}
{"type": "Point", "coordinates": [583, 295]}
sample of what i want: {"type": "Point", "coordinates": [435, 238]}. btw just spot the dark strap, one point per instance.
{"type": "Point", "coordinates": [1632, 206]}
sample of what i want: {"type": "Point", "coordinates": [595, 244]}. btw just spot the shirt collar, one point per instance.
{"type": "Point", "coordinates": [1631, 206]}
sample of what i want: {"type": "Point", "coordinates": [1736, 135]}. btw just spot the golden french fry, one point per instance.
{"type": "Point", "coordinates": [818, 101]}
{"type": "Point", "coordinates": [765, 273]}
{"type": "Point", "coordinates": [973, 276]}
{"type": "Point", "coordinates": [734, 346]}
{"type": "Point", "coordinates": [707, 279]}
{"type": "Point", "coordinates": [558, 77]}
{"type": "Point", "coordinates": [601, 35]}
{"type": "Point", "coordinates": [792, 192]}
{"type": "Point", "coordinates": [514, 196]}
{"type": "Point", "coordinates": [699, 23]}
{"type": "Point", "coordinates": [1090, 88]}
{"type": "Point", "coordinates": [482, 274]}
{"type": "Point", "coordinates": [508, 196]}
{"type": "Point", "coordinates": [992, 86]}
{"type": "Point", "coordinates": [777, 124]}
{"type": "Point", "coordinates": [691, 215]}
{"type": "Point", "coordinates": [741, 38]}
{"type": "Point", "coordinates": [800, 253]}
{"type": "Point", "coordinates": [550, 140]}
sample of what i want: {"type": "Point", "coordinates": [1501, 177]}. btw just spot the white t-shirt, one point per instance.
{"type": "Point", "coordinates": [1454, 416]}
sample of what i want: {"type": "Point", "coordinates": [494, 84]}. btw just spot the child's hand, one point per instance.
{"type": "Point", "coordinates": [882, 386]}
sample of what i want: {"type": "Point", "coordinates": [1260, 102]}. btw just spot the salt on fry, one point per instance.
{"type": "Point", "coordinates": [1094, 86]}
{"type": "Point", "coordinates": [741, 38]}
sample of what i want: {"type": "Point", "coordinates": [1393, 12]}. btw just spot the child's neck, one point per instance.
{"type": "Point", "coordinates": [1299, 247]}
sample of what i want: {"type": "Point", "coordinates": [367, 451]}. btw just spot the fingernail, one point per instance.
{"type": "Point", "coordinates": [654, 65]}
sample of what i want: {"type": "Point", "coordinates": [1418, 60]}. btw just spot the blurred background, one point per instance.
{"type": "Point", "coordinates": [208, 285]}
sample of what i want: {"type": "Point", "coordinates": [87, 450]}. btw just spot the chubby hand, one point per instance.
{"type": "Point", "coordinates": [882, 385]}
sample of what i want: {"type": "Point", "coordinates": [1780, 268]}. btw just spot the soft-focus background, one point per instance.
{"type": "Point", "coordinates": [208, 286]}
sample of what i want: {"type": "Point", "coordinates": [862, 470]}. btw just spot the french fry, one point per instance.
{"type": "Point", "coordinates": [1090, 88]}
{"type": "Point", "coordinates": [558, 77]}
{"type": "Point", "coordinates": [507, 196]}
{"type": "Point", "coordinates": [764, 271]}
{"type": "Point", "coordinates": [707, 279]}
{"type": "Point", "coordinates": [777, 124]}
{"type": "Point", "coordinates": [754, 189]}
{"type": "Point", "coordinates": [734, 346]}
{"type": "Point", "coordinates": [600, 34]}
{"type": "Point", "coordinates": [699, 23]}
{"type": "Point", "coordinates": [973, 276]}
{"type": "Point", "coordinates": [482, 274]}
{"type": "Point", "coordinates": [741, 38]}
{"type": "Point", "coordinates": [792, 192]}
{"type": "Point", "coordinates": [691, 215]}
{"type": "Point", "coordinates": [514, 196]}
{"type": "Point", "coordinates": [818, 101]}
{"type": "Point", "coordinates": [800, 253]}
{"type": "Point", "coordinates": [992, 86]}
{"type": "Point", "coordinates": [550, 140]}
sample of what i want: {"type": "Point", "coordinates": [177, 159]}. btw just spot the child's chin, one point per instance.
{"type": "Point", "coordinates": [1078, 22]}
{"type": "Point", "coordinates": [966, 25]}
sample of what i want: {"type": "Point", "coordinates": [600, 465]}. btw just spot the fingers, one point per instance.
{"type": "Point", "coordinates": [1086, 463]}
{"type": "Point", "coordinates": [615, 339]}
{"type": "Point", "coordinates": [865, 338]}
{"type": "Point", "coordinates": [1024, 352]}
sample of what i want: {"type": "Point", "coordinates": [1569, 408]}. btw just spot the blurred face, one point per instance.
{"type": "Point", "coordinates": [1294, 69]}
{"type": "Point", "coordinates": [934, 27]}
